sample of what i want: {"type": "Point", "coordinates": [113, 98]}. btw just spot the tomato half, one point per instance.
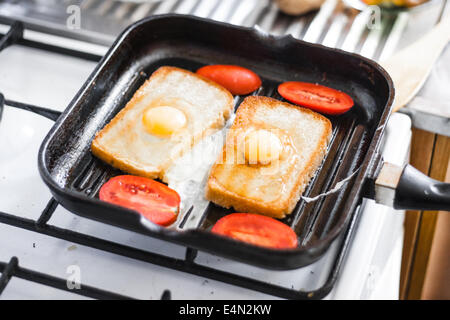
{"type": "Point", "coordinates": [152, 199]}
{"type": "Point", "coordinates": [238, 80]}
{"type": "Point", "coordinates": [316, 97]}
{"type": "Point", "coordinates": [256, 229]}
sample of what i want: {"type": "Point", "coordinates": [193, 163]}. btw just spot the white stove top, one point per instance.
{"type": "Point", "coordinates": [50, 80]}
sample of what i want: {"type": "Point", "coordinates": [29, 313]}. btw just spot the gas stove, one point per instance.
{"type": "Point", "coordinates": [49, 253]}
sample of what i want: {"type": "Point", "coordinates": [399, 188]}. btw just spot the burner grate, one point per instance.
{"type": "Point", "coordinates": [334, 25]}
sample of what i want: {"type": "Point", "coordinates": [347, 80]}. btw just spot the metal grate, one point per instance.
{"type": "Point", "coordinates": [188, 264]}
{"type": "Point", "coordinates": [12, 269]}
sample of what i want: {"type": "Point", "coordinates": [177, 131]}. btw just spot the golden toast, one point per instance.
{"type": "Point", "coordinates": [272, 188]}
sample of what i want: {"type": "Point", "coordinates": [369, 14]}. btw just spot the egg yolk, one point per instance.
{"type": "Point", "coordinates": [262, 147]}
{"type": "Point", "coordinates": [164, 120]}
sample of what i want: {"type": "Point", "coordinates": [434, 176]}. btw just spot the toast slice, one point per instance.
{"type": "Point", "coordinates": [125, 144]}
{"type": "Point", "coordinates": [271, 189]}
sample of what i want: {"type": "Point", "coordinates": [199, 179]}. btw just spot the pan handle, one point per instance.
{"type": "Point", "coordinates": [408, 188]}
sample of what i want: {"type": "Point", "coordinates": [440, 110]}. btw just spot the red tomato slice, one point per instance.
{"type": "Point", "coordinates": [316, 97]}
{"type": "Point", "coordinates": [256, 229]}
{"type": "Point", "coordinates": [152, 199]}
{"type": "Point", "coordinates": [236, 79]}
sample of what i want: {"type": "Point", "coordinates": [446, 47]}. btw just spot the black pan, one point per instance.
{"type": "Point", "coordinates": [74, 176]}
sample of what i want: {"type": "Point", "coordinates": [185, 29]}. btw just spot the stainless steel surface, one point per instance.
{"type": "Point", "coordinates": [334, 25]}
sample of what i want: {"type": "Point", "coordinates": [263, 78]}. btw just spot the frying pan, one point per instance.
{"type": "Point", "coordinates": [74, 176]}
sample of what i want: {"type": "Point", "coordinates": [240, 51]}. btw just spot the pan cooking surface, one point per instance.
{"type": "Point", "coordinates": [95, 172]}
{"type": "Point", "coordinates": [75, 175]}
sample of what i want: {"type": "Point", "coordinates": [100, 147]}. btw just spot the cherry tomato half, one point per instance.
{"type": "Point", "coordinates": [152, 199]}
{"type": "Point", "coordinates": [256, 229]}
{"type": "Point", "coordinates": [316, 97]}
{"type": "Point", "coordinates": [236, 79]}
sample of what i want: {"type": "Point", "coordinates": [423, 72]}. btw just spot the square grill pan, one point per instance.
{"type": "Point", "coordinates": [74, 175]}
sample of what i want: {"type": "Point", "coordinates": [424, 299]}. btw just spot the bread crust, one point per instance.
{"type": "Point", "coordinates": [218, 194]}
{"type": "Point", "coordinates": [124, 165]}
